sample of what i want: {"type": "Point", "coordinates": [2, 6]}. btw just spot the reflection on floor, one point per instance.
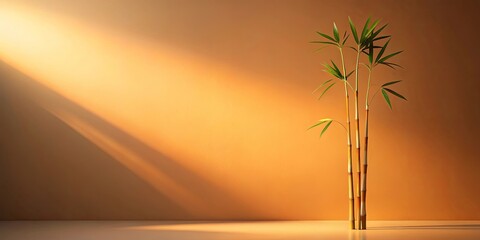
{"type": "Point", "coordinates": [298, 230]}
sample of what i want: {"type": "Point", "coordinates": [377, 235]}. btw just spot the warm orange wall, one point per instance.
{"type": "Point", "coordinates": [198, 110]}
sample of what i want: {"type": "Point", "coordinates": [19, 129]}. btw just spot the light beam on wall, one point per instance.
{"type": "Point", "coordinates": [216, 120]}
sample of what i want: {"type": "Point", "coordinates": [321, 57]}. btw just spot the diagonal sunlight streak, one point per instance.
{"type": "Point", "coordinates": [194, 200]}
{"type": "Point", "coordinates": [201, 113]}
{"type": "Point", "coordinates": [194, 194]}
{"type": "Point", "coordinates": [145, 170]}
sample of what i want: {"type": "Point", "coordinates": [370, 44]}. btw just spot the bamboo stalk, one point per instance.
{"type": "Point", "coordinates": [351, 205]}
{"type": "Point", "coordinates": [363, 203]}
{"type": "Point", "coordinates": [363, 206]}
{"type": "Point", "coordinates": [357, 136]}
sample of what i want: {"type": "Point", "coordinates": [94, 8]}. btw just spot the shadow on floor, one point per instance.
{"type": "Point", "coordinates": [53, 230]}
{"type": "Point", "coordinates": [431, 227]}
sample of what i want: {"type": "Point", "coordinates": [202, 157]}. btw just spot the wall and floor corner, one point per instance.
{"type": "Point", "coordinates": [198, 109]}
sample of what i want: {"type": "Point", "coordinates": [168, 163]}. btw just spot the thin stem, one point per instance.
{"type": "Point", "coordinates": [349, 85]}
{"type": "Point", "coordinates": [368, 88]}
{"type": "Point", "coordinates": [351, 205]}
{"type": "Point", "coordinates": [371, 99]}
{"type": "Point", "coordinates": [357, 131]}
{"type": "Point", "coordinates": [341, 124]}
{"type": "Point", "coordinates": [363, 200]}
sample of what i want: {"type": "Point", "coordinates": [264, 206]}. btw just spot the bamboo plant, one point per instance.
{"type": "Point", "coordinates": [365, 43]}
{"type": "Point", "coordinates": [341, 76]}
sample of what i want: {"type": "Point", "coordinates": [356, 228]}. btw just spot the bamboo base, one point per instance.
{"type": "Point", "coordinates": [363, 222]}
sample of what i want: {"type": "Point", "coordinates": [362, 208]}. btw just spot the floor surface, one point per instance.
{"type": "Point", "coordinates": [294, 230]}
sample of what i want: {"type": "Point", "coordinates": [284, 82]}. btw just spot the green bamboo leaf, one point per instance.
{"type": "Point", "coordinates": [326, 89]}
{"type": "Point", "coordinates": [336, 68]}
{"type": "Point", "coordinates": [335, 32]}
{"type": "Point", "coordinates": [364, 31]}
{"type": "Point", "coordinates": [354, 49]}
{"type": "Point", "coordinates": [321, 85]}
{"type": "Point", "coordinates": [354, 30]}
{"type": "Point", "coordinates": [382, 37]}
{"type": "Point", "coordinates": [320, 122]}
{"type": "Point", "coordinates": [389, 56]}
{"type": "Point", "coordinates": [382, 51]}
{"type": "Point", "coordinates": [391, 83]}
{"type": "Point", "coordinates": [387, 99]}
{"type": "Point", "coordinates": [328, 69]}
{"type": "Point", "coordinates": [315, 125]}
{"type": "Point", "coordinates": [322, 42]}
{"type": "Point", "coordinates": [371, 29]}
{"type": "Point", "coordinates": [325, 119]}
{"type": "Point", "coordinates": [366, 51]}
{"type": "Point", "coordinates": [375, 33]}
{"type": "Point", "coordinates": [395, 93]}
{"type": "Point", "coordinates": [370, 53]}
{"type": "Point", "coordinates": [326, 36]}
{"type": "Point", "coordinates": [388, 65]}
{"type": "Point", "coordinates": [348, 75]}
{"type": "Point", "coordinates": [392, 65]}
{"type": "Point", "coordinates": [325, 128]}
{"type": "Point", "coordinates": [332, 71]}
{"type": "Point", "coordinates": [345, 39]}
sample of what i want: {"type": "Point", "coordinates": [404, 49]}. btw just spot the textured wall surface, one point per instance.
{"type": "Point", "coordinates": [198, 109]}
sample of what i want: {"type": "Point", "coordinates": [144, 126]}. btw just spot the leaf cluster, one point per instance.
{"type": "Point", "coordinates": [367, 41]}
{"type": "Point", "coordinates": [385, 90]}
{"type": "Point", "coordinates": [380, 58]}
{"type": "Point", "coordinates": [333, 40]}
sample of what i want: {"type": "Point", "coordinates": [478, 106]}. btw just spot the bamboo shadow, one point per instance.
{"type": "Point", "coordinates": [20, 92]}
